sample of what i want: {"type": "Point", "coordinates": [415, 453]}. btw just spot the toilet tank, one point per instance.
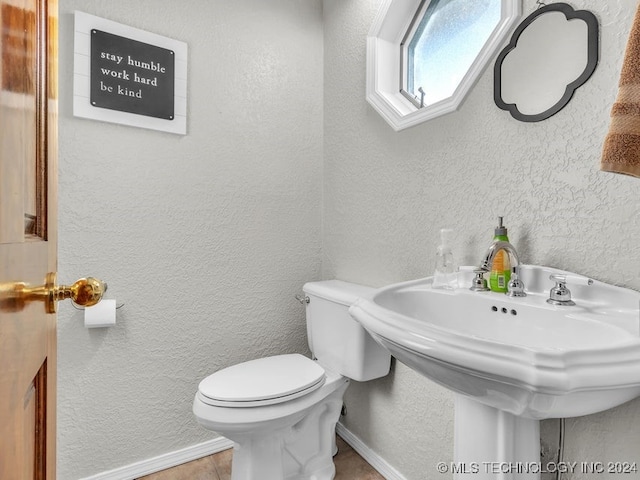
{"type": "Point", "coordinates": [335, 338]}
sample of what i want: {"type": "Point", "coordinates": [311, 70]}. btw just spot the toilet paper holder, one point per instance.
{"type": "Point", "coordinates": [77, 307]}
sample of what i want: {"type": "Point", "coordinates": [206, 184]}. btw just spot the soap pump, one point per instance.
{"type": "Point", "coordinates": [445, 275]}
{"type": "Point", "coordinates": [501, 267]}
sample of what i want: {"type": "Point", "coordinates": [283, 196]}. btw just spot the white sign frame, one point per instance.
{"type": "Point", "coordinates": [82, 107]}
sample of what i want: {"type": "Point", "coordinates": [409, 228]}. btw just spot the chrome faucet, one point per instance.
{"type": "Point", "coordinates": [560, 294]}
{"type": "Point", "coordinates": [515, 288]}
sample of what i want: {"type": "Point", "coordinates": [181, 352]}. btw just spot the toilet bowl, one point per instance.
{"type": "Point", "coordinates": [281, 411]}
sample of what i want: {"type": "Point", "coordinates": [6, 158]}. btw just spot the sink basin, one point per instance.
{"type": "Point", "coordinates": [520, 355]}
{"type": "Point", "coordinates": [512, 361]}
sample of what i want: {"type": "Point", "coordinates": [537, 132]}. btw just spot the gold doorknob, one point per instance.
{"type": "Point", "coordinates": [85, 292]}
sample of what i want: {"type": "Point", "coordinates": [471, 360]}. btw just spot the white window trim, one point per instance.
{"type": "Point", "coordinates": [383, 63]}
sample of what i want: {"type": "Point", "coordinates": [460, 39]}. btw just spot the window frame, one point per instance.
{"type": "Point", "coordinates": [385, 62]}
{"type": "Point", "coordinates": [404, 61]}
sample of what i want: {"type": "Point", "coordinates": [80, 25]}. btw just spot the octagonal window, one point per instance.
{"type": "Point", "coordinates": [440, 47]}
{"type": "Point", "coordinates": [425, 70]}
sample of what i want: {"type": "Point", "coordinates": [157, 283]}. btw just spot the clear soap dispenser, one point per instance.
{"type": "Point", "coordinates": [445, 275]}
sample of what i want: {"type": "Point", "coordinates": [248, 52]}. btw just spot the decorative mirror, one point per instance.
{"type": "Point", "coordinates": [551, 53]}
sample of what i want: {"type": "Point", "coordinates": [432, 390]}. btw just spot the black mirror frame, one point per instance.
{"type": "Point", "coordinates": [592, 61]}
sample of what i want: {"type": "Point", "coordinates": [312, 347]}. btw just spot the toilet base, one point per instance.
{"type": "Point", "coordinates": [302, 451]}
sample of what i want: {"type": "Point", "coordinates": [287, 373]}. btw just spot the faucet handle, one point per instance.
{"type": "Point", "coordinates": [560, 294]}
{"type": "Point", "coordinates": [515, 288]}
{"type": "Point", "coordinates": [479, 283]}
{"type": "Point", "coordinates": [568, 278]}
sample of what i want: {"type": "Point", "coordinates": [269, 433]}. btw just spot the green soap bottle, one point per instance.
{"type": "Point", "coordinates": [501, 267]}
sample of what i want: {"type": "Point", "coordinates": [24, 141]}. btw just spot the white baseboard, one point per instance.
{"type": "Point", "coordinates": [194, 452]}
{"type": "Point", "coordinates": [375, 460]}
{"type": "Point", "coordinates": [162, 462]}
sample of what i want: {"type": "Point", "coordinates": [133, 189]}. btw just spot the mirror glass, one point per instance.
{"type": "Point", "coordinates": [552, 53]}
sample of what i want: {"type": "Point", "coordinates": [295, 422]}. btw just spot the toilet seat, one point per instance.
{"type": "Point", "coordinates": [264, 381]}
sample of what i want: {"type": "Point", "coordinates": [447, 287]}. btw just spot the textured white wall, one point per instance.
{"type": "Point", "coordinates": [205, 238]}
{"type": "Point", "coordinates": [386, 195]}
{"type": "Point", "coordinates": [232, 211]}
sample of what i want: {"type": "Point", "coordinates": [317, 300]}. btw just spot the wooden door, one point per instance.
{"type": "Point", "coordinates": [28, 166]}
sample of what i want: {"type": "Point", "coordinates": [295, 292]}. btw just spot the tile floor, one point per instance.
{"type": "Point", "coordinates": [349, 466]}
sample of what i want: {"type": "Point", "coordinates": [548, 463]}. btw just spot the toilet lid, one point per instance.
{"type": "Point", "coordinates": [264, 381]}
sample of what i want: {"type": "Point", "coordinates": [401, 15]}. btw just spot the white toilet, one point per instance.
{"type": "Point", "coordinates": [281, 411]}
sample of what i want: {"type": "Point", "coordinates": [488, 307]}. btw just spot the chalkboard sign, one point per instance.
{"type": "Point", "coordinates": [131, 76]}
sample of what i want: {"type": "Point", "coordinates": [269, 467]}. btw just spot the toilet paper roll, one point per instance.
{"type": "Point", "coordinates": [103, 314]}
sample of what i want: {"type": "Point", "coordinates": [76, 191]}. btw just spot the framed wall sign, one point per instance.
{"type": "Point", "coordinates": [129, 76]}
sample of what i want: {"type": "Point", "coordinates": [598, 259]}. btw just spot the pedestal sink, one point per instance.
{"type": "Point", "coordinates": [512, 361]}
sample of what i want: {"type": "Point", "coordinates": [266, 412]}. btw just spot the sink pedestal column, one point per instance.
{"type": "Point", "coordinates": [490, 444]}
